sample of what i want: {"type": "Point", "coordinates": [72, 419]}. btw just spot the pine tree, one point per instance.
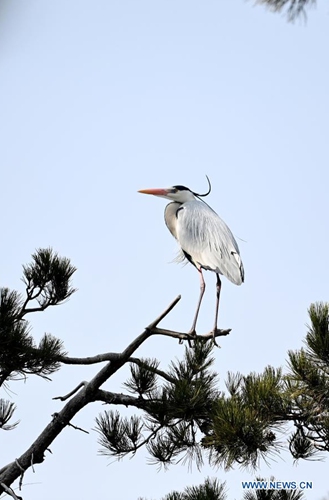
{"type": "Point", "coordinates": [183, 414]}
{"type": "Point", "coordinates": [176, 403]}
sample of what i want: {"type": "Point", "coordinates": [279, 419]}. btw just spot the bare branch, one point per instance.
{"type": "Point", "coordinates": [35, 453]}
{"type": "Point", "coordinates": [151, 329]}
{"type": "Point", "coordinates": [113, 356]}
{"type": "Point", "coordinates": [89, 360]}
{"type": "Point", "coordinates": [34, 309]}
{"type": "Point", "coordinates": [67, 396]}
{"type": "Point", "coordinates": [164, 314]}
{"type": "Point", "coordinates": [120, 399]}
{"type": "Point", "coordinates": [187, 336]}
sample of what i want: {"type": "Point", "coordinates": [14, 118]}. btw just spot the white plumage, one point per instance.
{"type": "Point", "coordinates": [205, 237]}
{"type": "Point", "coordinates": [205, 240]}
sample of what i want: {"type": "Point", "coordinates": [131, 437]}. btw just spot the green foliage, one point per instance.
{"type": "Point", "coordinates": [211, 489]}
{"type": "Point", "coordinates": [245, 423]}
{"type": "Point", "coordinates": [143, 378]}
{"type": "Point", "coordinates": [47, 278]}
{"type": "Point", "coordinates": [186, 416]}
{"type": "Point", "coordinates": [293, 8]}
{"type": "Point", "coordinates": [317, 338]}
{"type": "Point", "coordinates": [308, 388]}
{"type": "Point", "coordinates": [7, 409]}
{"type": "Point", "coordinates": [177, 408]}
{"type": "Point", "coordinates": [301, 445]}
{"type": "Point", "coordinates": [47, 281]}
{"type": "Point", "coordinates": [16, 344]}
{"type": "Point", "coordinates": [118, 436]}
{"type": "Point", "coordinates": [174, 496]}
{"type": "Point", "coordinates": [19, 355]}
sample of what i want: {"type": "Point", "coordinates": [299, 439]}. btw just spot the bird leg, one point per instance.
{"type": "Point", "coordinates": [192, 332]}
{"type": "Point", "coordinates": [218, 289]}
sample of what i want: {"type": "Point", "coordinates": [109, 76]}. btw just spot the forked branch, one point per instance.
{"type": "Point", "coordinates": [88, 392]}
{"type": "Point", "coordinates": [151, 329]}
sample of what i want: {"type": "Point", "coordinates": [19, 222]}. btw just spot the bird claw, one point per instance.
{"type": "Point", "coordinates": [192, 334]}
{"type": "Point", "coordinates": [213, 332]}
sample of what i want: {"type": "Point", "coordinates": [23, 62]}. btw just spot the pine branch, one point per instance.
{"type": "Point", "coordinates": [48, 283]}
{"type": "Point", "coordinates": [113, 356]}
{"type": "Point", "coordinates": [67, 396]}
{"type": "Point", "coordinates": [121, 399]}
{"type": "Point", "coordinates": [294, 8]}
{"type": "Point", "coordinates": [36, 452]}
{"type": "Point", "coordinates": [7, 409]}
{"type": "Point", "coordinates": [161, 373]}
{"type": "Point", "coordinates": [47, 279]}
{"type": "Point", "coordinates": [89, 360]}
{"type": "Point", "coordinates": [121, 436]}
{"type": "Point", "coordinates": [150, 330]}
{"type": "Point", "coordinates": [187, 336]}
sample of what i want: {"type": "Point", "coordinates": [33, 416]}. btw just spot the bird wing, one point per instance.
{"type": "Point", "coordinates": [207, 240]}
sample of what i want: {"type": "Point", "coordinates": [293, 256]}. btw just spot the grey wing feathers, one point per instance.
{"type": "Point", "coordinates": [206, 238]}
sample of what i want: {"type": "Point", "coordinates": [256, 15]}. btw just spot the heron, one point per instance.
{"type": "Point", "coordinates": [204, 238]}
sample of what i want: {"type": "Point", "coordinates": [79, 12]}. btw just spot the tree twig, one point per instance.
{"type": "Point", "coordinates": [78, 428]}
{"type": "Point", "coordinates": [120, 399]}
{"type": "Point", "coordinates": [67, 396]}
{"type": "Point", "coordinates": [154, 323]}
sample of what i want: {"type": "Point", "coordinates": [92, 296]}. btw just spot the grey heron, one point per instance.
{"type": "Point", "coordinates": [204, 238]}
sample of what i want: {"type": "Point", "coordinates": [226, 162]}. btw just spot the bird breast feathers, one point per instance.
{"type": "Point", "coordinates": [207, 239]}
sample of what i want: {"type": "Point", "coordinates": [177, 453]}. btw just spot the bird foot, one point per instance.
{"type": "Point", "coordinates": [192, 334]}
{"type": "Point", "coordinates": [213, 333]}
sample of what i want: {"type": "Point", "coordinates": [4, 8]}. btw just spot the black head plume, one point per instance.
{"type": "Point", "coordinates": [181, 188]}
{"type": "Point", "coordinates": [205, 194]}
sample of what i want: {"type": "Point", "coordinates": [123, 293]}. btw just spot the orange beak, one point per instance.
{"type": "Point", "coordinates": [155, 192]}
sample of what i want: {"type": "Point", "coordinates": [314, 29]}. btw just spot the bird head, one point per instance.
{"type": "Point", "coordinates": [180, 194]}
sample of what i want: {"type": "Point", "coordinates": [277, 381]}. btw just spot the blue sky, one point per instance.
{"type": "Point", "coordinates": [100, 99]}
